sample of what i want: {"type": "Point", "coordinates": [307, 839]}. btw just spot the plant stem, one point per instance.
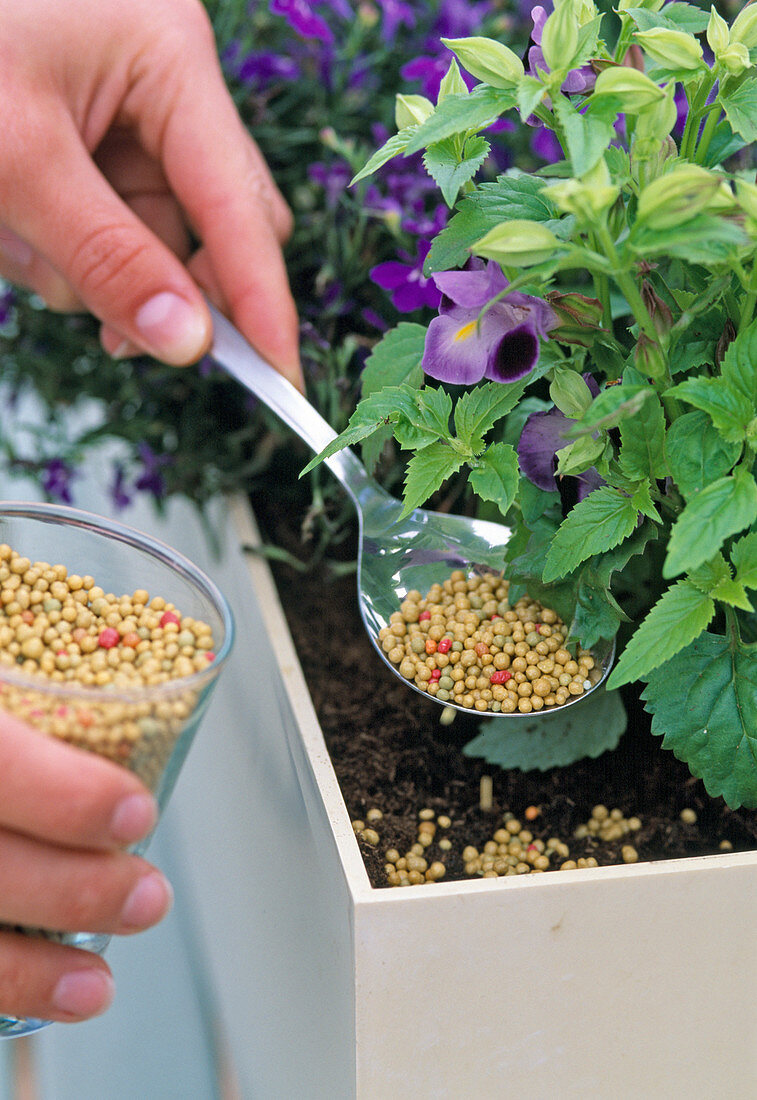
{"type": "Point", "coordinates": [709, 129]}
{"type": "Point", "coordinates": [626, 283]}
{"type": "Point", "coordinates": [602, 289]}
{"type": "Point", "coordinates": [624, 39]}
{"type": "Point", "coordinates": [747, 308]}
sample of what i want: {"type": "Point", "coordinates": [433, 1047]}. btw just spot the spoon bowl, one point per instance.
{"type": "Point", "coordinates": [395, 555]}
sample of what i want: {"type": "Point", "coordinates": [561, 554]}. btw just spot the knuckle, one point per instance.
{"type": "Point", "coordinates": [105, 257]}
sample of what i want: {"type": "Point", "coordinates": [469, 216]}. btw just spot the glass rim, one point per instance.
{"type": "Point", "coordinates": [162, 552]}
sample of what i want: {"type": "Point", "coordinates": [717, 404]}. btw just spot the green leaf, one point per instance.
{"type": "Point", "coordinates": [479, 409]}
{"type": "Point", "coordinates": [740, 106]}
{"type": "Point", "coordinates": [394, 147]}
{"type": "Point", "coordinates": [643, 441]}
{"type": "Point", "coordinates": [495, 477]}
{"type": "Point", "coordinates": [579, 455]}
{"type": "Point", "coordinates": [435, 406]}
{"type": "Point", "coordinates": [704, 705]}
{"type": "Point", "coordinates": [721, 509]}
{"type": "Point", "coordinates": [678, 617]}
{"type": "Point", "coordinates": [696, 453]}
{"type": "Point", "coordinates": [395, 360]}
{"type": "Point", "coordinates": [447, 169]}
{"type": "Point", "coordinates": [611, 407]}
{"type": "Point", "coordinates": [676, 17]}
{"type": "Point", "coordinates": [731, 399]}
{"type": "Point", "coordinates": [704, 239]}
{"type": "Point", "coordinates": [511, 197]}
{"type": "Point", "coordinates": [588, 728]}
{"type": "Point", "coordinates": [712, 573]}
{"type": "Point", "coordinates": [458, 114]}
{"type": "Point", "coordinates": [530, 93]}
{"type": "Point", "coordinates": [597, 614]}
{"type": "Point", "coordinates": [384, 407]}
{"type": "Point", "coordinates": [426, 471]}
{"type": "Point", "coordinates": [744, 558]}
{"type": "Point", "coordinates": [597, 523]}
{"type": "Point", "coordinates": [588, 134]}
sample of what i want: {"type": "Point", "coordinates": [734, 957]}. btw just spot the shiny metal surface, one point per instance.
{"type": "Point", "coordinates": [394, 555]}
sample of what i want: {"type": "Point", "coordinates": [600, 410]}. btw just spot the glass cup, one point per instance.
{"type": "Point", "coordinates": [147, 728]}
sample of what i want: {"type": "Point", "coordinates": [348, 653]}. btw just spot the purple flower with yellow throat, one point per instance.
{"type": "Point", "coordinates": [502, 344]}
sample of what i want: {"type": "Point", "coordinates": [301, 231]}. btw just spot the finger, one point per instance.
{"type": "Point", "coordinates": [21, 265]}
{"type": "Point", "coordinates": [120, 270]}
{"type": "Point", "coordinates": [68, 890]}
{"type": "Point", "coordinates": [48, 981]}
{"type": "Point", "coordinates": [66, 795]}
{"type": "Point", "coordinates": [219, 181]}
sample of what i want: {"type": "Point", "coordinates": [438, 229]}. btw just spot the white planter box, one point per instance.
{"type": "Point", "coordinates": [631, 981]}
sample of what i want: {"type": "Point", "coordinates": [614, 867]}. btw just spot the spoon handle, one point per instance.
{"type": "Point", "coordinates": [232, 351]}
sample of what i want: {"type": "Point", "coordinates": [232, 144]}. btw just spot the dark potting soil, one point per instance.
{"type": "Point", "coordinates": [391, 753]}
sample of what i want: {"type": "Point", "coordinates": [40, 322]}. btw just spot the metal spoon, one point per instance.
{"type": "Point", "coordinates": [394, 556]}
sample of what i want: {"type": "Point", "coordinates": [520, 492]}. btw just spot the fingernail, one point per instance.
{"type": "Point", "coordinates": [148, 902]}
{"type": "Point", "coordinates": [134, 817]}
{"type": "Point", "coordinates": [172, 328]}
{"type": "Point", "coordinates": [86, 992]}
{"type": "Point", "coordinates": [15, 248]}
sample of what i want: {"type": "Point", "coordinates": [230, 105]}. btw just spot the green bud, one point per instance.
{"type": "Point", "coordinates": [635, 90]}
{"type": "Point", "coordinates": [579, 455]}
{"type": "Point", "coordinates": [649, 358]}
{"type": "Point", "coordinates": [579, 317]}
{"type": "Point", "coordinates": [487, 60]}
{"type": "Point", "coordinates": [744, 27]}
{"type": "Point", "coordinates": [452, 83]}
{"type": "Point", "coordinates": [570, 393]}
{"type": "Point", "coordinates": [718, 35]}
{"type": "Point", "coordinates": [518, 243]}
{"type": "Point", "coordinates": [671, 49]}
{"type": "Point", "coordinates": [589, 197]}
{"type": "Point", "coordinates": [657, 308]}
{"type": "Point", "coordinates": [735, 59]}
{"type": "Point", "coordinates": [559, 39]}
{"type": "Point", "coordinates": [677, 197]}
{"type": "Point", "coordinates": [409, 110]}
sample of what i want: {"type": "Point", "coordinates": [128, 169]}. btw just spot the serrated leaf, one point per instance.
{"type": "Point", "coordinates": [744, 558]}
{"type": "Point", "coordinates": [459, 114]}
{"type": "Point", "coordinates": [641, 499]}
{"type": "Point", "coordinates": [395, 360]}
{"type": "Point", "coordinates": [588, 728]}
{"type": "Point", "coordinates": [426, 471]}
{"type": "Point", "coordinates": [492, 203]}
{"type": "Point", "coordinates": [709, 575]}
{"type": "Point", "coordinates": [495, 477]}
{"type": "Point", "coordinates": [642, 438]}
{"type": "Point", "coordinates": [384, 407]}
{"type": "Point", "coordinates": [733, 593]}
{"type": "Point", "coordinates": [696, 453]}
{"type": "Point", "coordinates": [435, 406]}
{"type": "Point", "coordinates": [731, 399]}
{"type": "Point", "coordinates": [448, 171]}
{"type": "Point", "coordinates": [710, 719]}
{"type": "Point", "coordinates": [478, 410]}
{"type": "Point", "coordinates": [678, 617]}
{"type": "Point", "coordinates": [721, 509]}
{"type": "Point", "coordinates": [394, 147]}
{"type": "Point", "coordinates": [599, 522]}
{"type": "Point", "coordinates": [740, 106]}
{"type": "Point", "coordinates": [588, 134]}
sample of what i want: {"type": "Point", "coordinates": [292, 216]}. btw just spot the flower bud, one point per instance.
{"type": "Point", "coordinates": [726, 338]}
{"type": "Point", "coordinates": [559, 38]}
{"type": "Point", "coordinates": [658, 310]}
{"type": "Point", "coordinates": [452, 83]}
{"type": "Point", "coordinates": [718, 34]}
{"type": "Point", "coordinates": [588, 197]}
{"type": "Point", "coordinates": [649, 358]}
{"type": "Point", "coordinates": [487, 60]}
{"type": "Point", "coordinates": [409, 110]}
{"type": "Point", "coordinates": [518, 243]}
{"type": "Point", "coordinates": [672, 49]}
{"type": "Point", "coordinates": [570, 393]}
{"type": "Point", "coordinates": [578, 317]}
{"type": "Point", "coordinates": [735, 59]}
{"type": "Point", "coordinates": [677, 197]}
{"type": "Point", "coordinates": [634, 90]}
{"type": "Point", "coordinates": [744, 27]}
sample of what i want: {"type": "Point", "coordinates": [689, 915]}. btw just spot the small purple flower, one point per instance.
{"type": "Point", "coordinates": [260, 70]}
{"type": "Point", "coordinates": [502, 345]}
{"type": "Point", "coordinates": [56, 480]}
{"type": "Point", "coordinates": [409, 288]}
{"type": "Point", "coordinates": [396, 14]}
{"type": "Point", "coordinates": [301, 17]}
{"type": "Point", "coordinates": [542, 437]}
{"type": "Point", "coordinates": [579, 80]}
{"type": "Point", "coordinates": [151, 479]}
{"type": "Point", "coordinates": [7, 301]}
{"type": "Point", "coordinates": [332, 177]}
{"type": "Point", "coordinates": [118, 492]}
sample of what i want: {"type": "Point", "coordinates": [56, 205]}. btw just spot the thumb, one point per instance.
{"type": "Point", "coordinates": [121, 271]}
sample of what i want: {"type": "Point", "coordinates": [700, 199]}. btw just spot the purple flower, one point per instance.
{"type": "Point", "coordinates": [579, 80]}
{"type": "Point", "coordinates": [118, 493]}
{"type": "Point", "coordinates": [7, 301]}
{"type": "Point", "coordinates": [396, 14]}
{"type": "Point", "coordinates": [409, 288]}
{"type": "Point", "coordinates": [151, 479]}
{"type": "Point", "coordinates": [542, 437]}
{"type": "Point", "coordinates": [260, 70]}
{"type": "Point", "coordinates": [56, 480]}
{"type": "Point", "coordinates": [502, 345]}
{"type": "Point", "coordinates": [332, 177]}
{"type": "Point", "coordinates": [301, 18]}
{"type": "Point", "coordinates": [546, 146]}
